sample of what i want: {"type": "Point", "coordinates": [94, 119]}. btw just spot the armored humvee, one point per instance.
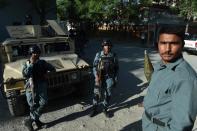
{"type": "Point", "coordinates": [57, 49]}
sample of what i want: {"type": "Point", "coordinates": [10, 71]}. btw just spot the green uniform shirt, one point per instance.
{"type": "Point", "coordinates": [171, 97]}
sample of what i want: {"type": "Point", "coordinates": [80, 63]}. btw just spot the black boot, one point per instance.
{"type": "Point", "coordinates": [28, 123]}
{"type": "Point", "coordinates": [106, 113]}
{"type": "Point", "coordinates": [40, 124]}
{"type": "Point", "coordinates": [93, 112]}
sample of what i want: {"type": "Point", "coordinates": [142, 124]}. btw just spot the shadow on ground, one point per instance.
{"type": "Point", "coordinates": [70, 117]}
{"type": "Point", "coordinates": [136, 126]}
{"type": "Point", "coordinates": [68, 101]}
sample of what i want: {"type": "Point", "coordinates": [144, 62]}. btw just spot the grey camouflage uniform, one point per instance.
{"type": "Point", "coordinates": [109, 78]}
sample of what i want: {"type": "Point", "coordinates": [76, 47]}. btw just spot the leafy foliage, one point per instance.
{"type": "Point", "coordinates": [97, 11]}
{"type": "Point", "coordinates": [146, 2]}
{"type": "Point", "coordinates": [116, 11]}
{"type": "Point", "coordinates": [188, 8]}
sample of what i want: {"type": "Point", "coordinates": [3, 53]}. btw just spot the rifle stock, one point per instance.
{"type": "Point", "coordinates": [99, 73]}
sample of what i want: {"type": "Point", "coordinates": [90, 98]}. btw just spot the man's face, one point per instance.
{"type": "Point", "coordinates": [170, 47]}
{"type": "Point", "coordinates": [106, 49]}
{"type": "Point", "coordinates": [35, 56]}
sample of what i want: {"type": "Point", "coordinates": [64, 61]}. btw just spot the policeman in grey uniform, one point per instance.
{"type": "Point", "coordinates": [170, 103]}
{"type": "Point", "coordinates": [35, 70]}
{"type": "Point", "coordinates": [105, 70]}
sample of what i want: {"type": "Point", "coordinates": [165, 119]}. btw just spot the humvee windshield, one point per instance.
{"type": "Point", "coordinates": [56, 47]}
{"type": "Point", "coordinates": [23, 50]}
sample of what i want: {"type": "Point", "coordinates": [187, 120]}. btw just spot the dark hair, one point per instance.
{"type": "Point", "coordinates": [106, 42]}
{"type": "Point", "coordinates": [34, 49]}
{"type": "Point", "coordinates": [178, 30]}
{"type": "Point", "coordinates": [28, 16]}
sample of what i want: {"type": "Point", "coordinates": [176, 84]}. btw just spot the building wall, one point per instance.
{"type": "Point", "coordinates": [15, 11]}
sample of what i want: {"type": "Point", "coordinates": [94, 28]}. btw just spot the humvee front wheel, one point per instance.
{"type": "Point", "coordinates": [16, 105]}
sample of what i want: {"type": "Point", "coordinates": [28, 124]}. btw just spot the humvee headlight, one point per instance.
{"type": "Point", "coordinates": [74, 76]}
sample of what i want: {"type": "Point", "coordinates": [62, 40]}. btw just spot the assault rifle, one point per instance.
{"type": "Point", "coordinates": [98, 85]}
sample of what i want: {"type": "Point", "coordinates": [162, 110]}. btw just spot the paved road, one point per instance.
{"type": "Point", "coordinates": [70, 113]}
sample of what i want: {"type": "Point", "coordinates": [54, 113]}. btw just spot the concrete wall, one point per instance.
{"type": "Point", "coordinates": [15, 10]}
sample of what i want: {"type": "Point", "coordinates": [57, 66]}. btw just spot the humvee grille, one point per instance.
{"type": "Point", "coordinates": [61, 79]}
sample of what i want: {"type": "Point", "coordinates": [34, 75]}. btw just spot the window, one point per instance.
{"type": "Point", "coordinates": [21, 50]}
{"type": "Point", "coordinates": [57, 47]}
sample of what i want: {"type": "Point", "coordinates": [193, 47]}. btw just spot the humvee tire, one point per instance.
{"type": "Point", "coordinates": [16, 105]}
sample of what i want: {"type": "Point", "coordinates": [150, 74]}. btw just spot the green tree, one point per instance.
{"type": "Point", "coordinates": [72, 10]}
{"type": "Point", "coordinates": [124, 13]}
{"type": "Point", "coordinates": [146, 2]}
{"type": "Point", "coordinates": [81, 7]}
{"type": "Point", "coordinates": [62, 8]}
{"type": "Point", "coordinates": [188, 8]}
{"type": "Point", "coordinates": [97, 12]}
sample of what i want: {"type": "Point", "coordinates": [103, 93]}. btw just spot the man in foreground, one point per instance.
{"type": "Point", "coordinates": [170, 103]}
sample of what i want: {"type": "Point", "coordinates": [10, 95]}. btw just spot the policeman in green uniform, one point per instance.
{"type": "Point", "coordinates": [105, 70]}
{"type": "Point", "coordinates": [35, 70]}
{"type": "Point", "coordinates": [170, 103]}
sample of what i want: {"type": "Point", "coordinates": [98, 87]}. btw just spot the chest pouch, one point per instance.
{"type": "Point", "coordinates": [107, 65]}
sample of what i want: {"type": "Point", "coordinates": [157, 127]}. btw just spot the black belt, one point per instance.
{"type": "Point", "coordinates": [154, 120]}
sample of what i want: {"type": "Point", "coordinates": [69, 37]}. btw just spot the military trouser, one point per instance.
{"type": "Point", "coordinates": [37, 100]}
{"type": "Point", "coordinates": [106, 87]}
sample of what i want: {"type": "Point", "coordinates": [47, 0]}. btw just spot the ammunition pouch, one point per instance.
{"type": "Point", "coordinates": [107, 65]}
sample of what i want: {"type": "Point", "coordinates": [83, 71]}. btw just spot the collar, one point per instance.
{"type": "Point", "coordinates": [109, 54]}
{"type": "Point", "coordinates": [171, 66]}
